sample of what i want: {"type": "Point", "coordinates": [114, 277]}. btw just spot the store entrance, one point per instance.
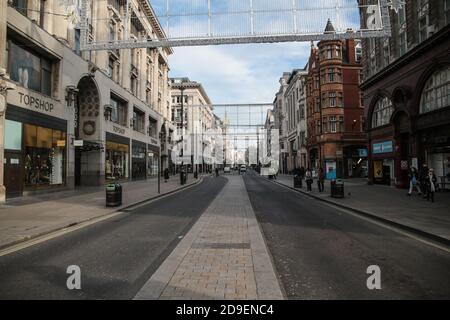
{"type": "Point", "coordinates": [13, 174]}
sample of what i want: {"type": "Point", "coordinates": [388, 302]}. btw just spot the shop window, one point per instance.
{"type": "Point", "coordinates": [436, 94]}
{"type": "Point", "coordinates": [45, 150]}
{"type": "Point", "coordinates": [152, 166]}
{"type": "Point", "coordinates": [29, 69]}
{"type": "Point", "coordinates": [382, 112]}
{"type": "Point", "coordinates": [116, 161]}
{"type": "Point", "coordinates": [13, 135]}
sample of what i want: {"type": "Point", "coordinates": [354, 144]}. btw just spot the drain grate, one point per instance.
{"type": "Point", "coordinates": [206, 245]}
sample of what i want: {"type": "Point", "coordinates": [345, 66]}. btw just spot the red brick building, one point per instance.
{"type": "Point", "coordinates": [335, 115]}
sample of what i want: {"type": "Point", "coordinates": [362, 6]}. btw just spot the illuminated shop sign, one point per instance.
{"type": "Point", "coordinates": [382, 147]}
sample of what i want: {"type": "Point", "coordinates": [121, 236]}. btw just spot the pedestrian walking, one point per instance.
{"type": "Point", "coordinates": [413, 177]}
{"type": "Point", "coordinates": [431, 185]}
{"type": "Point", "coordinates": [301, 173]}
{"type": "Point", "coordinates": [321, 180]}
{"type": "Point", "coordinates": [166, 174]}
{"type": "Point", "coordinates": [309, 179]}
{"type": "Point", "coordinates": [217, 172]}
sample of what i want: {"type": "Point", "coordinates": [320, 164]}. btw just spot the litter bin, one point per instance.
{"type": "Point", "coordinates": [113, 195]}
{"type": "Point", "coordinates": [182, 177]}
{"type": "Point", "coordinates": [297, 181]}
{"type": "Point", "coordinates": [337, 188]}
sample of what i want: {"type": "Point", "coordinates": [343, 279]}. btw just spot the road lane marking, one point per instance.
{"type": "Point", "coordinates": [368, 219]}
{"type": "Point", "coordinates": [76, 226]}
{"type": "Point", "coordinates": [55, 234]}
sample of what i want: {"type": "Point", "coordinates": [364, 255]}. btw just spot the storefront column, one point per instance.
{"type": "Point", "coordinates": [5, 85]}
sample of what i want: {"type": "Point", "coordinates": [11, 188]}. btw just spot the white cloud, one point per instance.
{"type": "Point", "coordinates": [239, 73]}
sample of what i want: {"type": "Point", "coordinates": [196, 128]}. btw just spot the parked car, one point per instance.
{"type": "Point", "coordinates": [243, 169]}
{"type": "Point", "coordinates": [226, 170]}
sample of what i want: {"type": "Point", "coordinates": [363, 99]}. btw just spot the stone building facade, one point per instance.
{"type": "Point", "coordinates": [82, 118]}
{"type": "Point", "coordinates": [198, 119]}
{"type": "Point", "coordinates": [407, 94]}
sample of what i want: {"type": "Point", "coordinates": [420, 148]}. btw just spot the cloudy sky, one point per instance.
{"type": "Point", "coordinates": [245, 73]}
{"type": "Point", "coordinates": [239, 73]}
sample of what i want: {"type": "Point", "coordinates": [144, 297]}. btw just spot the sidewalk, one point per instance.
{"type": "Point", "coordinates": [389, 203]}
{"type": "Point", "coordinates": [223, 256]}
{"type": "Point", "coordinates": [31, 216]}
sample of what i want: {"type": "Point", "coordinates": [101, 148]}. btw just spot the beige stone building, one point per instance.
{"type": "Point", "coordinates": [198, 118]}
{"type": "Point", "coordinates": [81, 118]}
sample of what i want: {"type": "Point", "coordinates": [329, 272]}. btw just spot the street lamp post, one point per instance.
{"type": "Point", "coordinates": [182, 135]}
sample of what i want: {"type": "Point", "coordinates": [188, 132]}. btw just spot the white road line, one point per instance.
{"type": "Point", "coordinates": [64, 231]}
{"type": "Point", "coordinates": [378, 223]}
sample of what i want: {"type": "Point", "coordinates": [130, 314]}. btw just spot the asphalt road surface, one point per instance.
{"type": "Point", "coordinates": [116, 256]}
{"type": "Point", "coordinates": [323, 253]}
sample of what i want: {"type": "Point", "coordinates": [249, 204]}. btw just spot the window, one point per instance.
{"type": "Point", "coordinates": [332, 98]}
{"type": "Point", "coordinates": [118, 111]}
{"type": "Point", "coordinates": [402, 42]}
{"type": "Point", "coordinates": [29, 69]}
{"type": "Point", "coordinates": [134, 85]}
{"type": "Point", "coordinates": [152, 127]}
{"type": "Point", "coordinates": [333, 124]}
{"type": "Point", "coordinates": [423, 29]}
{"type": "Point", "coordinates": [401, 16]}
{"type": "Point", "coordinates": [331, 75]}
{"type": "Point", "coordinates": [111, 67]}
{"type": "Point", "coordinates": [382, 113]}
{"type": "Point", "coordinates": [447, 11]}
{"type": "Point", "coordinates": [77, 42]}
{"type": "Point", "coordinates": [44, 162]}
{"type": "Point", "coordinates": [138, 120]}
{"type": "Point", "coordinates": [324, 125]}
{"type": "Point", "coordinates": [436, 94]}
{"type": "Point", "coordinates": [20, 5]}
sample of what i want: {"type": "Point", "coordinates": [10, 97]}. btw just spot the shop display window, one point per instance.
{"type": "Point", "coordinates": [116, 161]}
{"type": "Point", "coordinates": [44, 156]}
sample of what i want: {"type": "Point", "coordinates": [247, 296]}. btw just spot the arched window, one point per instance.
{"type": "Point", "coordinates": [382, 112]}
{"type": "Point", "coordinates": [436, 94]}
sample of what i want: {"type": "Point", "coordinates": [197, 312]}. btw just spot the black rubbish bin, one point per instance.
{"type": "Point", "coordinates": [113, 195]}
{"type": "Point", "coordinates": [297, 182]}
{"type": "Point", "coordinates": [337, 188]}
{"type": "Point", "coordinates": [182, 177]}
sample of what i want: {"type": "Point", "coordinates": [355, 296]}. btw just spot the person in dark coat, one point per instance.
{"type": "Point", "coordinates": [321, 180]}
{"type": "Point", "coordinates": [414, 181]}
{"type": "Point", "coordinates": [309, 179]}
{"type": "Point", "coordinates": [301, 173]}
{"type": "Point", "coordinates": [166, 174]}
{"type": "Point", "coordinates": [431, 185]}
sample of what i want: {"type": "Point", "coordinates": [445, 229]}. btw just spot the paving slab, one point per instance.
{"type": "Point", "coordinates": [223, 256]}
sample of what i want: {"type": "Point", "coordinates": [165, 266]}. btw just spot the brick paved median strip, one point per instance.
{"type": "Point", "coordinates": [223, 256]}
